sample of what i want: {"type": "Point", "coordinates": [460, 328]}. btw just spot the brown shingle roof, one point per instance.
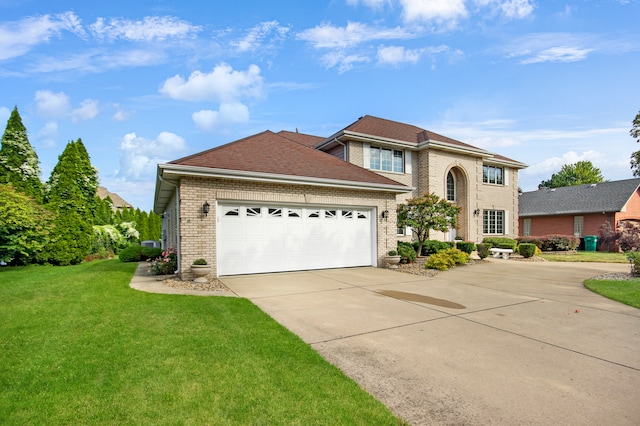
{"type": "Point", "coordinates": [301, 138]}
{"type": "Point", "coordinates": [268, 152]}
{"type": "Point", "coordinates": [118, 201]}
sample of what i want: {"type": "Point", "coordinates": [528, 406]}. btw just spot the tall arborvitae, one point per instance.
{"type": "Point", "coordinates": [89, 183]}
{"type": "Point", "coordinates": [72, 234]}
{"type": "Point", "coordinates": [19, 163]}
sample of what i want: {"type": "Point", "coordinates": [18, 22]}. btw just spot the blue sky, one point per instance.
{"type": "Point", "coordinates": [144, 82]}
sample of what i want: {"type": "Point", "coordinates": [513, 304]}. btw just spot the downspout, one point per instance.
{"type": "Point", "coordinates": [344, 151]}
{"type": "Point", "coordinates": [177, 220]}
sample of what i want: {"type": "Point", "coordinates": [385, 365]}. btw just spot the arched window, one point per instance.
{"type": "Point", "coordinates": [451, 187]}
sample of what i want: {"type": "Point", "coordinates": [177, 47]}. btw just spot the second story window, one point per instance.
{"type": "Point", "coordinates": [494, 175]}
{"type": "Point", "coordinates": [386, 160]}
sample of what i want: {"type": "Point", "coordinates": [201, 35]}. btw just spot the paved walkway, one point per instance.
{"type": "Point", "coordinates": [502, 342]}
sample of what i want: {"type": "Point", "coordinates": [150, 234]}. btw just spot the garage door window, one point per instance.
{"type": "Point", "coordinates": [294, 213]}
{"type": "Point", "coordinates": [254, 211]}
{"type": "Point", "coordinates": [275, 212]}
{"type": "Point", "coordinates": [347, 214]}
{"type": "Point", "coordinates": [330, 214]}
{"type": "Point", "coordinates": [314, 213]}
{"type": "Point", "coordinates": [231, 211]}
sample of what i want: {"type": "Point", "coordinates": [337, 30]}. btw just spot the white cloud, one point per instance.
{"type": "Point", "coordinates": [150, 28]}
{"type": "Point", "coordinates": [512, 9]}
{"type": "Point", "coordinates": [327, 36]}
{"type": "Point", "coordinates": [342, 61]}
{"type": "Point", "coordinates": [256, 36]}
{"type": "Point", "coordinates": [374, 4]}
{"type": "Point", "coordinates": [433, 10]}
{"type": "Point", "coordinates": [88, 109]}
{"type": "Point", "coordinates": [120, 114]}
{"type": "Point", "coordinates": [52, 105]}
{"type": "Point", "coordinates": [398, 54]}
{"type": "Point", "coordinates": [48, 134]}
{"type": "Point", "coordinates": [19, 37]}
{"type": "Point", "coordinates": [222, 84]}
{"type": "Point", "coordinates": [559, 47]}
{"type": "Point", "coordinates": [229, 113]}
{"type": "Point", "coordinates": [139, 157]}
{"type": "Point", "coordinates": [554, 164]}
{"type": "Point", "coordinates": [559, 54]}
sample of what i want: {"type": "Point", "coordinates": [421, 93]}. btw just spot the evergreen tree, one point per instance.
{"type": "Point", "coordinates": [72, 234]}
{"type": "Point", "coordinates": [19, 163]}
{"type": "Point", "coordinates": [89, 174]}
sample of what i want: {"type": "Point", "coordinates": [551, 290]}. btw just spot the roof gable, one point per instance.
{"type": "Point", "coordinates": [394, 131]}
{"type": "Point", "coordinates": [578, 199]}
{"type": "Point", "coordinates": [272, 153]}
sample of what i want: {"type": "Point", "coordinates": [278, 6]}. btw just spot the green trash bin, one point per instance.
{"type": "Point", "coordinates": [590, 242]}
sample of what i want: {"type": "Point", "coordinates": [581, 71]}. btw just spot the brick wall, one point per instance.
{"type": "Point", "coordinates": [198, 233]}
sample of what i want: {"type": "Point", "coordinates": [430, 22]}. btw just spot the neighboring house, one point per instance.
{"type": "Point", "coordinates": [289, 201]}
{"type": "Point", "coordinates": [579, 210]}
{"type": "Point", "coordinates": [118, 202]}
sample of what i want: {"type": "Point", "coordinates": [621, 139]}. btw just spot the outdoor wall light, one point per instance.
{"type": "Point", "coordinates": [205, 208]}
{"type": "Point", "coordinates": [476, 212]}
{"type": "Point", "coordinates": [385, 214]}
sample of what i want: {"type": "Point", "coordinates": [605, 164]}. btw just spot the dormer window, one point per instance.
{"type": "Point", "coordinates": [386, 160]}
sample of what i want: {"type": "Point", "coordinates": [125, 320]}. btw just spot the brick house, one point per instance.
{"type": "Point", "coordinates": [290, 201]}
{"type": "Point", "coordinates": [579, 210]}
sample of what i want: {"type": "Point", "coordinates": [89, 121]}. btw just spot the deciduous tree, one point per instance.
{"type": "Point", "coordinates": [635, 133]}
{"type": "Point", "coordinates": [580, 173]}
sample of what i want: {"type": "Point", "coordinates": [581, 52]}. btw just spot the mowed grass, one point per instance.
{"type": "Point", "coordinates": [627, 292]}
{"type": "Point", "coordinates": [587, 256]}
{"type": "Point", "coordinates": [78, 346]}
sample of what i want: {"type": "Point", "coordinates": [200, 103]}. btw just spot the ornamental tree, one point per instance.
{"type": "Point", "coordinates": [427, 213]}
{"type": "Point", "coordinates": [19, 163]}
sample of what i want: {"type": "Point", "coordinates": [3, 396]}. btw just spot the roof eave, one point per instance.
{"type": "Point", "coordinates": [173, 172]}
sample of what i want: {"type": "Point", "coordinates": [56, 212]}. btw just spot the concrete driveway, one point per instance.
{"type": "Point", "coordinates": [501, 342]}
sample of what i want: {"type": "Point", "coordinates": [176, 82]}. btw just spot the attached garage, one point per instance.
{"type": "Point", "coordinates": [256, 238]}
{"type": "Point", "coordinates": [274, 205]}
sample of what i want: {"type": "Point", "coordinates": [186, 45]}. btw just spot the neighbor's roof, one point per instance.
{"type": "Point", "coordinates": [382, 130]}
{"type": "Point", "coordinates": [118, 201]}
{"type": "Point", "coordinates": [578, 199]}
{"type": "Point", "coordinates": [271, 157]}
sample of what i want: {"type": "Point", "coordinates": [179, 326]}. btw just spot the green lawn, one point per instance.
{"type": "Point", "coordinates": [627, 292]}
{"type": "Point", "coordinates": [78, 346]}
{"type": "Point", "coordinates": [587, 256]}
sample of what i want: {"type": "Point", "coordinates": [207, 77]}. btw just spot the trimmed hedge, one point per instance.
{"type": "Point", "coordinates": [131, 254]}
{"type": "Point", "coordinates": [466, 246]}
{"type": "Point", "coordinates": [527, 249]}
{"type": "Point", "coordinates": [433, 246]}
{"type": "Point", "coordinates": [502, 242]}
{"type": "Point", "coordinates": [552, 242]}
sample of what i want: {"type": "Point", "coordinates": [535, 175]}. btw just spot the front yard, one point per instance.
{"type": "Point", "coordinates": [80, 347]}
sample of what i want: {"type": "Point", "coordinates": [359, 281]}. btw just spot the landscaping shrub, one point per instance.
{"type": "Point", "coordinates": [406, 252]}
{"type": "Point", "coordinates": [132, 253]}
{"type": "Point", "coordinates": [483, 250]}
{"type": "Point", "coordinates": [552, 242]}
{"type": "Point", "coordinates": [527, 249]}
{"type": "Point", "coordinates": [166, 264]}
{"type": "Point", "coordinates": [563, 242]}
{"type": "Point", "coordinates": [634, 259]}
{"type": "Point", "coordinates": [445, 259]}
{"type": "Point", "coordinates": [150, 253]}
{"type": "Point", "coordinates": [433, 246]}
{"type": "Point", "coordinates": [466, 246]}
{"type": "Point", "coordinates": [502, 242]}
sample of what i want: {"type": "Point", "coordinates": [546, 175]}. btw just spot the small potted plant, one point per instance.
{"type": "Point", "coordinates": [392, 259]}
{"type": "Point", "coordinates": [200, 269]}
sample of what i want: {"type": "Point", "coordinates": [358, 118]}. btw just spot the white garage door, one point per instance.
{"type": "Point", "coordinates": [255, 238]}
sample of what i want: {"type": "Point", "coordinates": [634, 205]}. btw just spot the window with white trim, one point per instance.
{"type": "Point", "coordinates": [493, 222]}
{"type": "Point", "coordinates": [578, 225]}
{"type": "Point", "coordinates": [386, 160]}
{"type": "Point", "coordinates": [493, 175]}
{"type": "Point", "coordinates": [451, 187]}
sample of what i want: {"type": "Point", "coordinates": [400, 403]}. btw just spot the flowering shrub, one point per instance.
{"type": "Point", "coordinates": [165, 264]}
